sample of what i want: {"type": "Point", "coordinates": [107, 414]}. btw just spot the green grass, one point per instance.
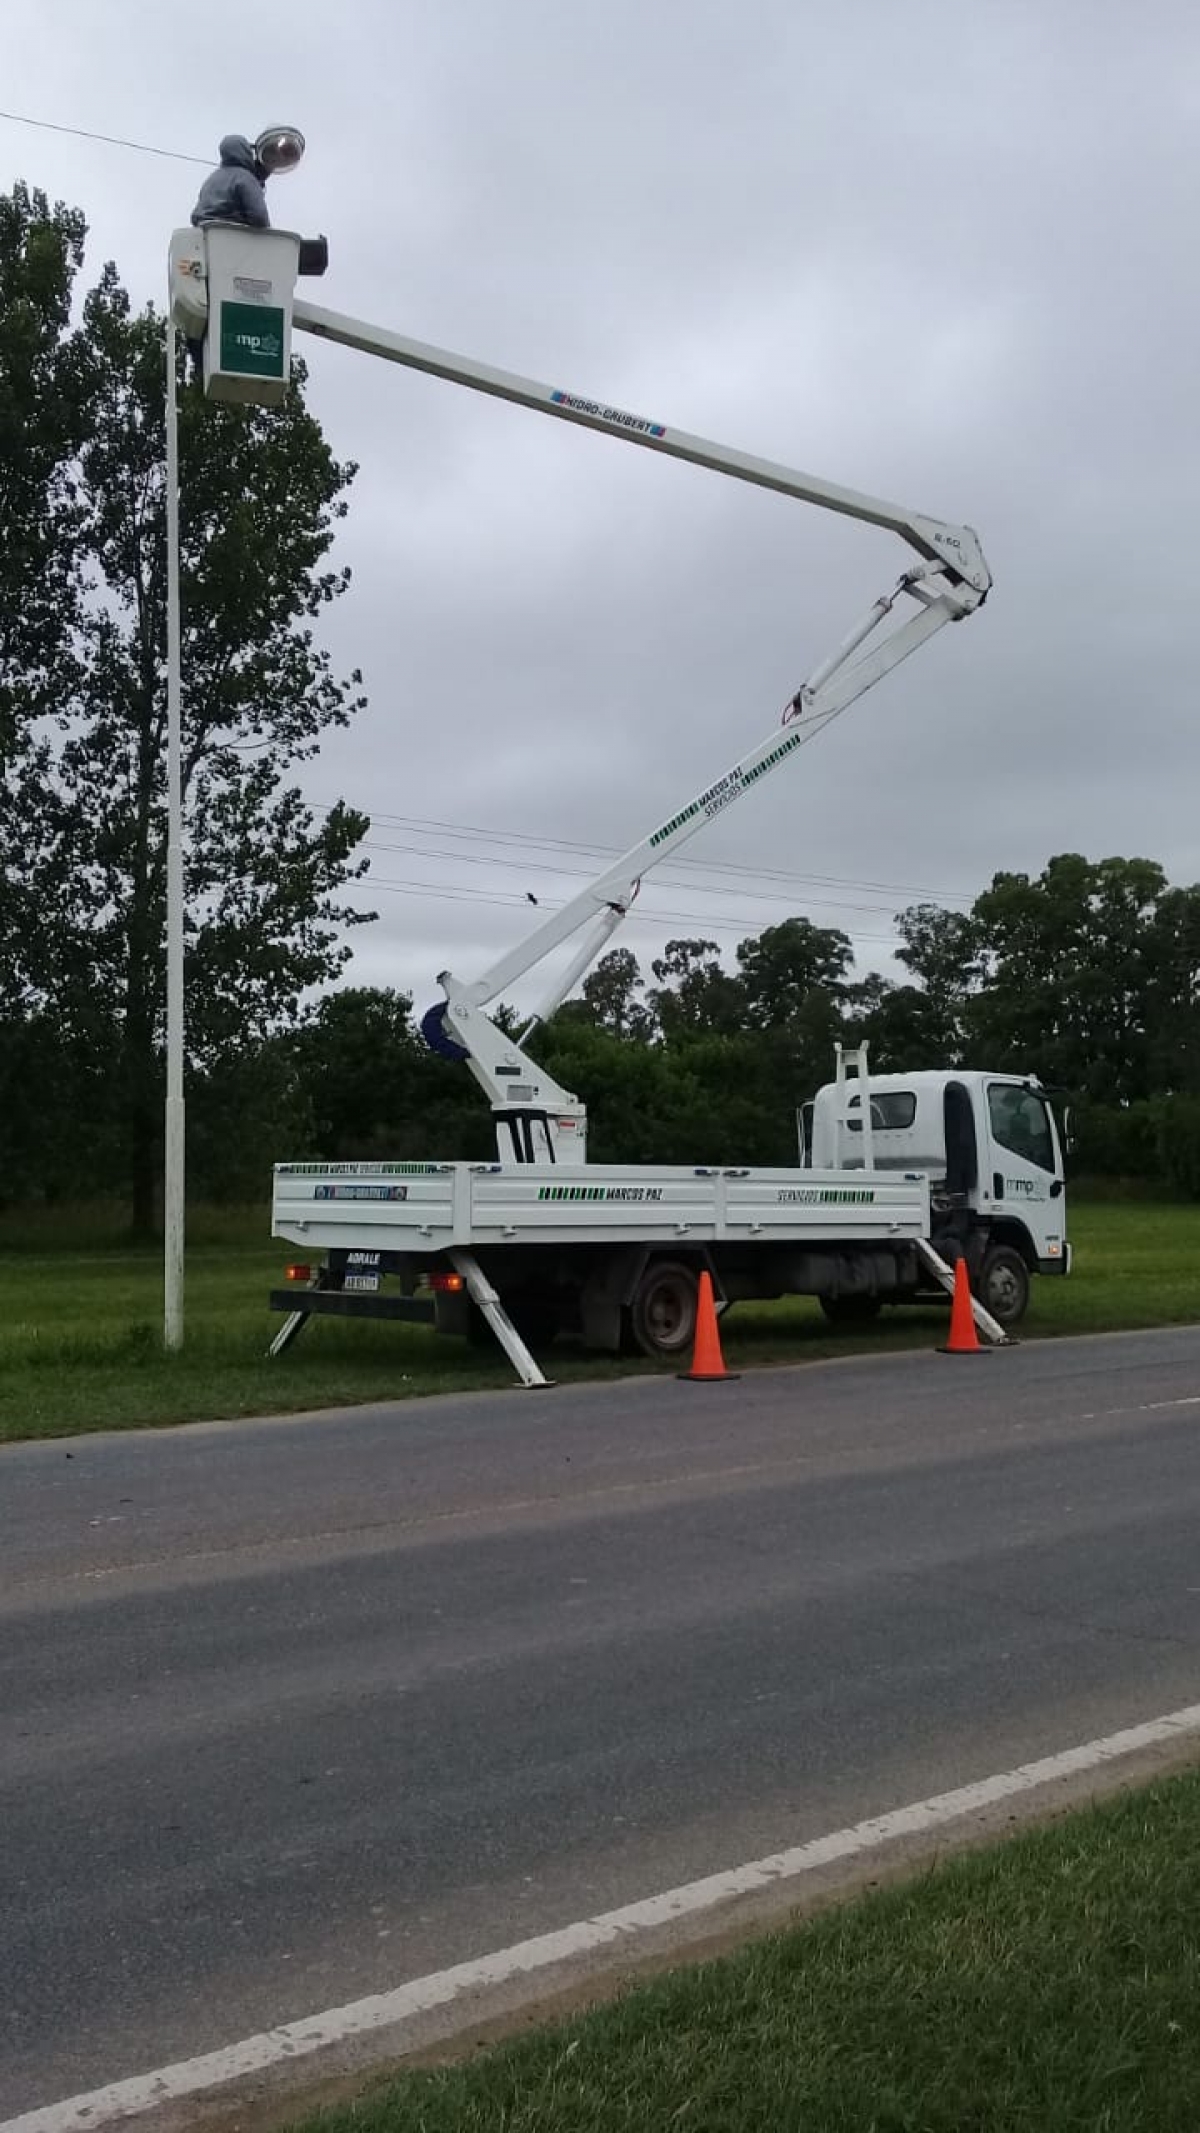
{"type": "Point", "coordinates": [80, 1324]}
{"type": "Point", "coordinates": [1049, 1985]}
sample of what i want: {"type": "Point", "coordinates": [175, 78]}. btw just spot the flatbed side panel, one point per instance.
{"type": "Point", "coordinates": [429, 1208]}
{"type": "Point", "coordinates": [835, 1204]}
{"type": "Point", "coordinates": [366, 1206]}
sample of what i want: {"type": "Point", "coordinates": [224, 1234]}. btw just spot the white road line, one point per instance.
{"type": "Point", "coordinates": [1144, 1407]}
{"type": "Point", "coordinates": [294, 2040]}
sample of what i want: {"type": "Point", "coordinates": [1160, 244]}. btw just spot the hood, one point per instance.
{"type": "Point", "coordinates": [236, 149]}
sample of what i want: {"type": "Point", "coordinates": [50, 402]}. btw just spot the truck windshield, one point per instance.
{"type": "Point", "coordinates": [1021, 1123]}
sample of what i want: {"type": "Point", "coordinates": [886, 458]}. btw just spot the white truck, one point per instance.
{"type": "Point", "coordinates": [992, 1149]}
{"type": "Point", "coordinates": [964, 1165]}
{"type": "Point", "coordinates": [895, 1181]}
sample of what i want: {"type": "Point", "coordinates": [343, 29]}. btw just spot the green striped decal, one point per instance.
{"type": "Point", "coordinates": [744, 777]}
{"type": "Point", "coordinates": [361, 1170]}
{"type": "Point", "coordinates": [677, 821]}
{"type": "Point", "coordinates": [776, 756]}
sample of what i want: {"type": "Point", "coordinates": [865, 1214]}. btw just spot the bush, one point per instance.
{"type": "Point", "coordinates": [1117, 1141]}
{"type": "Point", "coordinates": [1178, 1121]}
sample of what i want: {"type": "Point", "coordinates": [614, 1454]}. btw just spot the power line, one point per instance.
{"type": "Point", "coordinates": [522, 864]}
{"type": "Point", "coordinates": [427, 891]}
{"type": "Point", "coordinates": [520, 837]}
{"type": "Point", "coordinates": [111, 140]}
{"type": "Point", "coordinates": [422, 826]}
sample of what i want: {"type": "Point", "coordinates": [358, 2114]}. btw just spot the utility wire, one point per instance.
{"type": "Point", "coordinates": [522, 837]}
{"type": "Point", "coordinates": [424, 826]}
{"type": "Point", "coordinates": [774, 892]}
{"type": "Point", "coordinates": [504, 899]}
{"type": "Point", "coordinates": [111, 140]}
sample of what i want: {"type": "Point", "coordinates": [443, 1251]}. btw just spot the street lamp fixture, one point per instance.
{"type": "Point", "coordinates": [279, 149]}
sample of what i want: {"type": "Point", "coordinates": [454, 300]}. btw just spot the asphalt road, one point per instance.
{"type": "Point", "coordinates": [291, 1711]}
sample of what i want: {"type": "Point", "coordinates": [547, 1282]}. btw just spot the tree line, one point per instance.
{"type": "Point", "coordinates": [1087, 974]}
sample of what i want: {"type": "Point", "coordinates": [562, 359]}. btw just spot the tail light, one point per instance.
{"type": "Point", "coordinates": [447, 1284]}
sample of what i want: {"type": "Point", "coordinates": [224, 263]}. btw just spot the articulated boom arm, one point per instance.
{"type": "Point", "coordinates": [815, 705]}
{"type": "Point", "coordinates": [955, 548]}
{"type": "Point", "coordinates": [536, 1120]}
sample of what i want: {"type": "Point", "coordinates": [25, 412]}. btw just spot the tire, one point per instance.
{"type": "Point", "coordinates": [1003, 1284]}
{"type": "Point", "coordinates": [851, 1310]}
{"type": "Point", "coordinates": [662, 1313]}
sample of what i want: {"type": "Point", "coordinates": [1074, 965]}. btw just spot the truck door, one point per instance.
{"type": "Point", "coordinates": [1026, 1167]}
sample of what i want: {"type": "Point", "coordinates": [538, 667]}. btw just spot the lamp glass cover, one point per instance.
{"type": "Point", "coordinates": [279, 149]}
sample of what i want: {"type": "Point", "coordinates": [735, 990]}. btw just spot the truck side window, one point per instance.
{"type": "Point", "coordinates": [892, 1111]}
{"type": "Point", "coordinates": [1021, 1124]}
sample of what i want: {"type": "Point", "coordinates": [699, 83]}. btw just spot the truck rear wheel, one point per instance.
{"type": "Point", "coordinates": [662, 1312]}
{"type": "Point", "coordinates": [1003, 1285]}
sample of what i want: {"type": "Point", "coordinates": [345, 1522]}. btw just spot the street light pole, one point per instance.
{"type": "Point", "coordinates": [276, 152]}
{"type": "Point", "coordinates": [173, 1160]}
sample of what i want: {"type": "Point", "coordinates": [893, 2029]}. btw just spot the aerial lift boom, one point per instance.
{"type": "Point", "coordinates": [536, 1120]}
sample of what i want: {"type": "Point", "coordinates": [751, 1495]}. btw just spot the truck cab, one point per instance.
{"type": "Point", "coordinates": [991, 1148]}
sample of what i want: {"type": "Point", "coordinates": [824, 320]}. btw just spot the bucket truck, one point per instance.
{"type": "Point", "coordinates": [897, 1177]}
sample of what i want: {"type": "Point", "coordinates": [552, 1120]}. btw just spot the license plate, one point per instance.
{"type": "Point", "coordinates": [362, 1281]}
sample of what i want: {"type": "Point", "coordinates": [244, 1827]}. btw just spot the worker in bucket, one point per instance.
{"type": "Point", "coordinates": [234, 192]}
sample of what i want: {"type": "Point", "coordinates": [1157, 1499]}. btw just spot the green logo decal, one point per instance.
{"type": "Point", "coordinates": [252, 339]}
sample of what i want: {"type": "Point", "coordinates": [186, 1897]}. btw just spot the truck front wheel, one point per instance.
{"type": "Point", "coordinates": [1003, 1285]}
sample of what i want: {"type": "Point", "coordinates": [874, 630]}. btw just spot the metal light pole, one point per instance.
{"type": "Point", "coordinates": [173, 1160]}
{"type": "Point", "coordinates": [278, 150]}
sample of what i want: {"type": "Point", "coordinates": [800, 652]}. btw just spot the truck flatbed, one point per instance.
{"type": "Point", "coordinates": [427, 1208]}
{"type": "Point", "coordinates": [610, 1239]}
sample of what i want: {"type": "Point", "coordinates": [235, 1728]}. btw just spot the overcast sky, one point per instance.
{"type": "Point", "coordinates": [943, 257]}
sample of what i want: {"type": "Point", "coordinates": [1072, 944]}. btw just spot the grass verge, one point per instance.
{"type": "Point", "coordinates": [80, 1346]}
{"type": "Point", "coordinates": [1047, 1986]}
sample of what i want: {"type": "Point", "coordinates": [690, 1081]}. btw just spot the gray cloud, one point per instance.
{"type": "Point", "coordinates": [947, 261]}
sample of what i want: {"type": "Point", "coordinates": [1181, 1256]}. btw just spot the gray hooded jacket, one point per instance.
{"type": "Point", "coordinates": [235, 192]}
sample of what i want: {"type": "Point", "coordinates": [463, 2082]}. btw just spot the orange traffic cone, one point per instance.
{"type": "Point", "coordinates": [964, 1340]}
{"type": "Point", "coordinates": [708, 1364]}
